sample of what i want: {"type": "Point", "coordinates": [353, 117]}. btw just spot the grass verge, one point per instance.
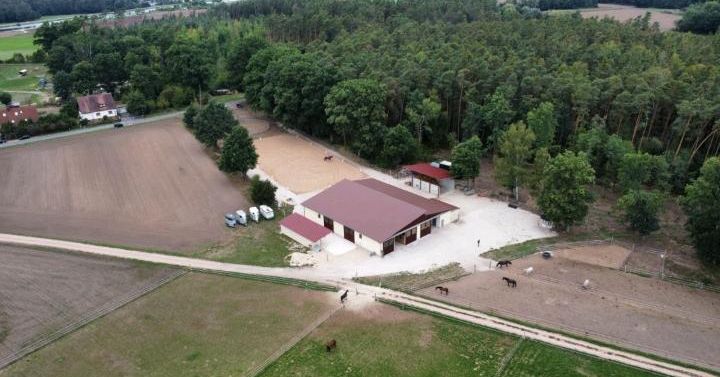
{"type": "Point", "coordinates": [406, 281]}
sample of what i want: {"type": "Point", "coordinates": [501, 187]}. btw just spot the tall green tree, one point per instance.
{"type": "Point", "coordinates": [702, 206]}
{"type": "Point", "coordinates": [399, 147]}
{"type": "Point", "coordinates": [240, 53]}
{"type": "Point", "coordinates": [702, 18]}
{"type": "Point", "coordinates": [515, 150]}
{"type": "Point", "coordinates": [641, 210]}
{"type": "Point", "coordinates": [238, 152]}
{"type": "Point", "coordinates": [212, 123]}
{"type": "Point", "coordinates": [641, 169]}
{"type": "Point", "coordinates": [422, 114]}
{"type": "Point", "coordinates": [356, 111]}
{"type": "Point", "coordinates": [258, 91]}
{"type": "Point", "coordinates": [543, 123]}
{"type": "Point", "coordinates": [565, 196]}
{"type": "Point", "coordinates": [466, 159]}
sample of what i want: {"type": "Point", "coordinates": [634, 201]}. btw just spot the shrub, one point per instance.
{"type": "Point", "coordinates": [262, 191]}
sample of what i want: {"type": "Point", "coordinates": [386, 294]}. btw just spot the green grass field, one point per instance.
{"type": "Point", "coordinates": [391, 342]}
{"type": "Point", "coordinates": [10, 80]}
{"type": "Point", "coordinates": [198, 325]}
{"type": "Point", "coordinates": [20, 43]}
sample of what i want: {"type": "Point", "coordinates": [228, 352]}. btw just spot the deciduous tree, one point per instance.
{"type": "Point", "coordinates": [238, 152]}
{"type": "Point", "coordinates": [466, 159]}
{"type": "Point", "coordinates": [641, 210]}
{"type": "Point", "coordinates": [565, 195]}
{"type": "Point", "coordinates": [515, 150]}
{"type": "Point", "coordinates": [702, 206]}
{"type": "Point", "coordinates": [212, 123]}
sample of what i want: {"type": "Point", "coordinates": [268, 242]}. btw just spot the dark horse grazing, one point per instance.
{"type": "Point", "coordinates": [503, 263]}
{"type": "Point", "coordinates": [343, 297]}
{"type": "Point", "coordinates": [510, 282]}
{"type": "Point", "coordinates": [330, 345]}
{"type": "Point", "coordinates": [442, 290]}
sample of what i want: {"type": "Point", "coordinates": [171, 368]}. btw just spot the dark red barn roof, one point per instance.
{"type": "Point", "coordinates": [374, 208]}
{"type": "Point", "coordinates": [429, 171]}
{"type": "Point", "coordinates": [304, 227]}
{"type": "Point", "coordinates": [17, 114]}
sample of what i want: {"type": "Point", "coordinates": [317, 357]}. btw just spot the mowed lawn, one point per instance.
{"type": "Point", "coordinates": [19, 43]}
{"type": "Point", "coordinates": [10, 80]}
{"type": "Point", "coordinates": [387, 341]}
{"type": "Point", "coordinates": [198, 325]}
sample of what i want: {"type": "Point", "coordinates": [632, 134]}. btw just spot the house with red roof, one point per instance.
{"type": "Point", "coordinates": [15, 114]}
{"type": "Point", "coordinates": [97, 106]}
{"type": "Point", "coordinates": [375, 215]}
{"type": "Point", "coordinates": [430, 178]}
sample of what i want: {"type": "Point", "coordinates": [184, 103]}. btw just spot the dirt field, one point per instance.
{"type": "Point", "coordinates": [197, 325]}
{"type": "Point", "coordinates": [255, 123]}
{"type": "Point", "coordinates": [665, 18]}
{"type": "Point", "coordinates": [641, 313]}
{"type": "Point", "coordinates": [42, 291]}
{"type": "Point", "coordinates": [298, 164]}
{"type": "Point", "coordinates": [149, 186]}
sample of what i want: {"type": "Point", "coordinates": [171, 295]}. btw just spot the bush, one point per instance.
{"type": "Point", "coordinates": [5, 98]}
{"type": "Point", "coordinates": [262, 191]}
{"type": "Point", "coordinates": [641, 209]}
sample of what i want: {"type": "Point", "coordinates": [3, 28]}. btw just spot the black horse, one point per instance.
{"type": "Point", "coordinates": [510, 282]}
{"type": "Point", "coordinates": [503, 263]}
{"type": "Point", "coordinates": [330, 345]}
{"type": "Point", "coordinates": [343, 297]}
{"type": "Point", "coordinates": [442, 290]}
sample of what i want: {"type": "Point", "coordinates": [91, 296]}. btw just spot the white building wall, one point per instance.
{"type": "Point", "coordinates": [99, 115]}
{"type": "Point", "coordinates": [368, 243]}
{"type": "Point", "coordinates": [312, 215]}
{"type": "Point", "coordinates": [296, 237]}
{"type": "Point", "coordinates": [339, 229]}
{"type": "Point", "coordinates": [448, 217]}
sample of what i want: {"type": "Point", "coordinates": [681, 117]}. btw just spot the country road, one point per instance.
{"type": "Point", "coordinates": [380, 294]}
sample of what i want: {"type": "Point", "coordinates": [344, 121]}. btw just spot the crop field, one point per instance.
{"type": "Point", "coordinates": [380, 340]}
{"type": "Point", "coordinates": [11, 81]}
{"type": "Point", "coordinates": [622, 13]}
{"type": "Point", "coordinates": [18, 43]}
{"type": "Point", "coordinates": [150, 186]}
{"type": "Point", "coordinates": [641, 313]}
{"type": "Point", "coordinates": [43, 292]}
{"type": "Point", "coordinates": [197, 325]}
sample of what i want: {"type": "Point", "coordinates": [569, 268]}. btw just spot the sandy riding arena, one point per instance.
{"type": "Point", "coordinates": [149, 186]}
{"type": "Point", "coordinates": [255, 123]}
{"type": "Point", "coordinates": [626, 309]}
{"type": "Point", "coordinates": [665, 18]}
{"type": "Point", "coordinates": [299, 164]}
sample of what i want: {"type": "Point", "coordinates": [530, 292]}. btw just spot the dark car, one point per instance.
{"type": "Point", "coordinates": [2, 140]}
{"type": "Point", "coordinates": [239, 105]}
{"type": "Point", "coordinates": [119, 125]}
{"type": "Point", "coordinates": [24, 137]}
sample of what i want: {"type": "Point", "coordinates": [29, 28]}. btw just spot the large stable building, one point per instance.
{"type": "Point", "coordinates": [375, 215]}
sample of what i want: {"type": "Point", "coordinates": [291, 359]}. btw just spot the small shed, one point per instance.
{"type": "Point", "coordinates": [303, 230]}
{"type": "Point", "coordinates": [428, 178]}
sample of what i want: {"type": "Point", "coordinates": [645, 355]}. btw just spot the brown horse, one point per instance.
{"type": "Point", "coordinates": [510, 282]}
{"type": "Point", "coordinates": [328, 158]}
{"type": "Point", "coordinates": [442, 290]}
{"type": "Point", "coordinates": [330, 345]}
{"type": "Point", "coordinates": [343, 297]}
{"type": "Point", "coordinates": [503, 263]}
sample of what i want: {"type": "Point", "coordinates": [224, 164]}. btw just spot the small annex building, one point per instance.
{"type": "Point", "coordinates": [303, 231]}
{"type": "Point", "coordinates": [15, 114]}
{"type": "Point", "coordinates": [97, 106]}
{"type": "Point", "coordinates": [431, 179]}
{"type": "Point", "coordinates": [375, 215]}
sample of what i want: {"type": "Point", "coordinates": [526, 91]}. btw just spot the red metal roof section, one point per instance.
{"type": "Point", "coordinates": [429, 170]}
{"type": "Point", "coordinates": [373, 208]}
{"type": "Point", "coordinates": [96, 103]}
{"type": "Point", "coordinates": [15, 115]}
{"type": "Point", "coordinates": [304, 227]}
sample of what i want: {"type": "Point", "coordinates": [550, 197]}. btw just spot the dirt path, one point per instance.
{"type": "Point", "coordinates": [381, 294]}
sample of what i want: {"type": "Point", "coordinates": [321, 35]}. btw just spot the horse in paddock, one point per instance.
{"type": "Point", "coordinates": [443, 290]}
{"type": "Point", "coordinates": [503, 263]}
{"type": "Point", "coordinates": [510, 282]}
{"type": "Point", "coordinates": [328, 158]}
{"type": "Point", "coordinates": [330, 345]}
{"type": "Point", "coordinates": [343, 297]}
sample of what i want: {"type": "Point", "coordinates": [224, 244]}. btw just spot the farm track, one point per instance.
{"type": "Point", "coordinates": [384, 295]}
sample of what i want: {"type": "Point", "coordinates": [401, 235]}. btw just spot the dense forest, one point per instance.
{"type": "Point", "coordinates": [624, 105]}
{"type": "Point", "coordinates": [26, 10]}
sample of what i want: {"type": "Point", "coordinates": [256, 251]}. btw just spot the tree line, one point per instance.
{"type": "Point", "coordinates": [27, 10]}
{"type": "Point", "coordinates": [400, 81]}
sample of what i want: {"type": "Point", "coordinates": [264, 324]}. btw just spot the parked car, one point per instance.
{"type": "Point", "coordinates": [119, 125]}
{"type": "Point", "coordinates": [230, 220]}
{"type": "Point", "coordinates": [24, 137]}
{"type": "Point", "coordinates": [266, 212]}
{"type": "Point", "coordinates": [241, 217]}
{"type": "Point", "coordinates": [254, 214]}
{"type": "Point", "coordinates": [2, 140]}
{"type": "Point", "coordinates": [239, 105]}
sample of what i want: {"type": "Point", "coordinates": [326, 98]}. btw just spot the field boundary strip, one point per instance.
{"type": "Point", "coordinates": [273, 279]}
{"type": "Point", "coordinates": [292, 342]}
{"type": "Point", "coordinates": [91, 316]}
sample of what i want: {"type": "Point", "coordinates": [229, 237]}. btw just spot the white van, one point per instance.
{"type": "Point", "coordinates": [266, 212]}
{"type": "Point", "coordinates": [254, 214]}
{"type": "Point", "coordinates": [241, 217]}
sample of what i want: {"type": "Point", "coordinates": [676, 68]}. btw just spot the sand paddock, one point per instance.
{"type": "Point", "coordinates": [637, 312]}
{"type": "Point", "coordinates": [298, 164]}
{"type": "Point", "coordinates": [665, 18]}
{"type": "Point", "coordinates": [611, 256]}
